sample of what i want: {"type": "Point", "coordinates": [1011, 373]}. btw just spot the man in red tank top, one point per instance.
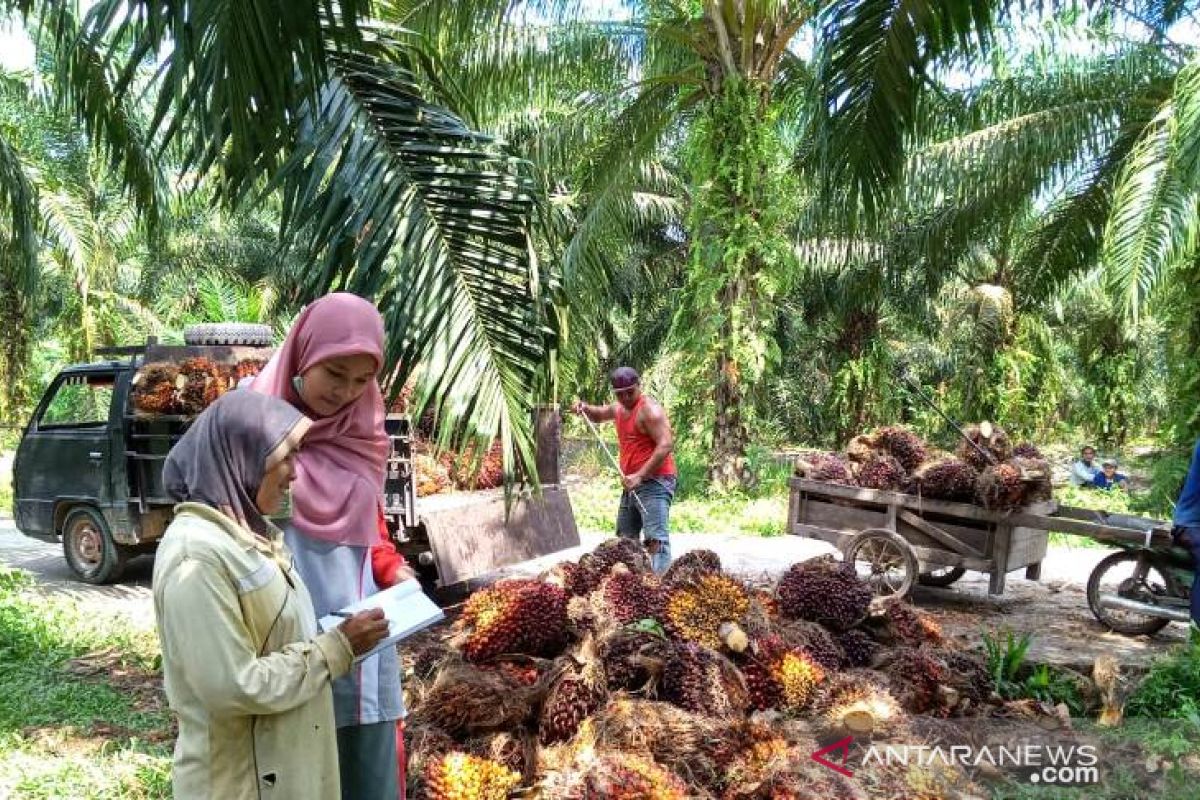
{"type": "Point", "coordinates": [647, 467]}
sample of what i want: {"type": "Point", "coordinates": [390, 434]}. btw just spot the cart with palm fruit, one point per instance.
{"type": "Point", "coordinates": [895, 539]}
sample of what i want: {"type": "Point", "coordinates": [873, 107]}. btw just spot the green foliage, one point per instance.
{"type": "Point", "coordinates": [1172, 688]}
{"type": "Point", "coordinates": [38, 635]}
{"type": "Point", "coordinates": [1005, 657]}
{"type": "Point", "coordinates": [1015, 679]}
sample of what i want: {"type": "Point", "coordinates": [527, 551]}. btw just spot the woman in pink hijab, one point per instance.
{"type": "Point", "coordinates": [328, 369]}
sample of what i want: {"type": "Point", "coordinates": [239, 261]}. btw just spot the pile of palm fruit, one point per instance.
{"type": "Point", "coordinates": [599, 679]}
{"type": "Point", "coordinates": [985, 468]}
{"type": "Point", "coordinates": [189, 386]}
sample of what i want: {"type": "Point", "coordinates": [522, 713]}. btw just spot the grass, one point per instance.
{"type": "Point", "coordinates": [595, 503]}
{"type": "Point", "coordinates": [81, 714]}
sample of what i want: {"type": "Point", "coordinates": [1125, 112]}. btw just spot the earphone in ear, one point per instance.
{"type": "Point", "coordinates": [298, 384]}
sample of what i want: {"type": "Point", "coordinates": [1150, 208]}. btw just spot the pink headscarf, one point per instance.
{"type": "Point", "coordinates": [340, 468]}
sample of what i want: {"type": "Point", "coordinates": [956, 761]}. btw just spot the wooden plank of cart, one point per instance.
{"type": "Point", "coordinates": [896, 539]}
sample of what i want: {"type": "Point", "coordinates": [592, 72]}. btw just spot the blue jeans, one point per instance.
{"type": "Point", "coordinates": [653, 525]}
{"type": "Point", "coordinates": [1190, 538]}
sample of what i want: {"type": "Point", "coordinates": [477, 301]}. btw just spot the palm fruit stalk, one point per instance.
{"type": "Point", "coordinates": [862, 448]}
{"type": "Point", "coordinates": [825, 591]}
{"type": "Point", "coordinates": [517, 616]}
{"type": "Point", "coordinates": [857, 701]}
{"type": "Point", "coordinates": [1035, 475]}
{"type": "Point", "coordinates": [992, 439]}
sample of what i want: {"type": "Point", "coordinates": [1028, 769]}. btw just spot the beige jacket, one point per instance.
{"type": "Point", "coordinates": [244, 668]}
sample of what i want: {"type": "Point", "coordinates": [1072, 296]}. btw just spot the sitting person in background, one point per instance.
{"type": "Point", "coordinates": [1109, 478]}
{"type": "Point", "coordinates": [1084, 471]}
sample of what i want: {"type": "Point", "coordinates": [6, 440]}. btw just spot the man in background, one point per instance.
{"type": "Point", "coordinates": [1083, 471]}
{"type": "Point", "coordinates": [1108, 477]}
{"type": "Point", "coordinates": [648, 474]}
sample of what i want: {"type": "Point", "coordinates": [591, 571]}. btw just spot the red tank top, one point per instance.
{"type": "Point", "coordinates": [637, 447]}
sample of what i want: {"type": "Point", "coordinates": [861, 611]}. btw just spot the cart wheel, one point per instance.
{"type": "Point", "coordinates": [89, 549]}
{"type": "Point", "coordinates": [941, 576]}
{"type": "Point", "coordinates": [885, 561]}
{"type": "Point", "coordinates": [1133, 576]}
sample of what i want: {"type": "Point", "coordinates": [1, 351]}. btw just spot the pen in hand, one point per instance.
{"type": "Point", "coordinates": [342, 614]}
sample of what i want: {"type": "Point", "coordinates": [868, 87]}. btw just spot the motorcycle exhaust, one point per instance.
{"type": "Point", "coordinates": [1158, 612]}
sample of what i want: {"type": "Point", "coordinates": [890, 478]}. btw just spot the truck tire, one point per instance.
{"type": "Point", "coordinates": [229, 333]}
{"type": "Point", "coordinates": [89, 548]}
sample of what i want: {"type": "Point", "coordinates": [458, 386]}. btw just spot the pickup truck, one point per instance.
{"type": "Point", "coordinates": [88, 473]}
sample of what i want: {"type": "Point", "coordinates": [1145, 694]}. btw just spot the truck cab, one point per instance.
{"type": "Point", "coordinates": [69, 476]}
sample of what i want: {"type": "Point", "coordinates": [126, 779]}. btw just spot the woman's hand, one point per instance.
{"type": "Point", "coordinates": [365, 630]}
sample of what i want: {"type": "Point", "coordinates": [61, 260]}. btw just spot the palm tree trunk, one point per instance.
{"type": "Point", "coordinates": [14, 353]}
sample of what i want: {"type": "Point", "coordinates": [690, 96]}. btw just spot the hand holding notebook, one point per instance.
{"type": "Point", "coordinates": [405, 606]}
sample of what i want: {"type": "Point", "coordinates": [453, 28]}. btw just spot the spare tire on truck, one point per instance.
{"type": "Point", "coordinates": [229, 333]}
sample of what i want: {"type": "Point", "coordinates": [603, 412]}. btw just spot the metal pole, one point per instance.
{"type": "Point", "coordinates": [987, 455]}
{"type": "Point", "coordinates": [612, 460]}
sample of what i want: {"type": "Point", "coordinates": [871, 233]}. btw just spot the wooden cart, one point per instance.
{"type": "Point", "coordinates": [896, 539]}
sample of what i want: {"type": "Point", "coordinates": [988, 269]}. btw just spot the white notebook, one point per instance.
{"type": "Point", "coordinates": [405, 606]}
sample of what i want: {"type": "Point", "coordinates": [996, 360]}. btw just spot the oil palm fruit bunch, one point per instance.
{"type": "Point", "coordinates": [882, 471]}
{"type": "Point", "coordinates": [154, 389]}
{"type": "Point", "coordinates": [1035, 475]}
{"type": "Point", "coordinates": [862, 448]}
{"type": "Point", "coordinates": [1001, 487]}
{"type": "Point", "coordinates": [825, 591]}
{"type": "Point", "coordinates": [692, 565]}
{"type": "Point", "coordinates": [431, 475]}
{"type": "Point", "coordinates": [904, 445]}
{"type": "Point", "coordinates": [629, 655]}
{"type": "Point", "coordinates": [969, 675]}
{"type": "Point", "coordinates": [859, 648]}
{"type": "Point", "coordinates": [1027, 450]}
{"type": "Point", "coordinates": [631, 777]}
{"type": "Point", "coordinates": [902, 625]}
{"type": "Point", "coordinates": [946, 479]}
{"type": "Point", "coordinates": [829, 467]}
{"type": "Point", "coordinates": [814, 639]}
{"type": "Point", "coordinates": [709, 611]}
{"type": "Point", "coordinates": [631, 596]}
{"type": "Point", "coordinates": [248, 368]}
{"type": "Point", "coordinates": [575, 694]}
{"type": "Point", "coordinates": [518, 616]}
{"type": "Point", "coordinates": [914, 676]}
{"type": "Point", "coordinates": [460, 776]}
{"type": "Point", "coordinates": [991, 439]}
{"type": "Point", "coordinates": [595, 566]}
{"type": "Point", "coordinates": [703, 681]}
{"type": "Point", "coordinates": [196, 376]}
{"type": "Point", "coordinates": [781, 677]}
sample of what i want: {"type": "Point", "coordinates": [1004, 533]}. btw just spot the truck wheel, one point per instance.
{"type": "Point", "coordinates": [229, 333]}
{"type": "Point", "coordinates": [89, 549]}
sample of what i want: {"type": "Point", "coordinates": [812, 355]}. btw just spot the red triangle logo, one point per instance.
{"type": "Point", "coordinates": [842, 747]}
